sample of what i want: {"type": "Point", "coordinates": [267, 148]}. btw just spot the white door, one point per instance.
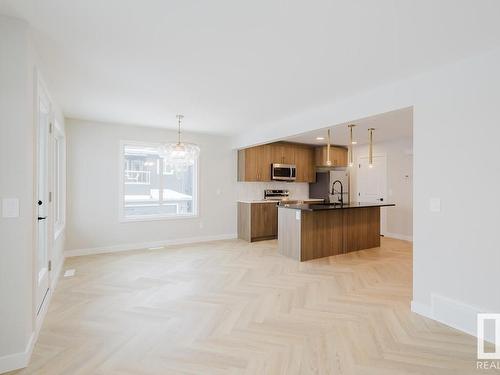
{"type": "Point", "coordinates": [42, 259]}
{"type": "Point", "coordinates": [372, 184]}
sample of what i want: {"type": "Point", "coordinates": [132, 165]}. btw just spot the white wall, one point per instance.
{"type": "Point", "coordinates": [17, 163]}
{"type": "Point", "coordinates": [93, 173]}
{"type": "Point", "coordinates": [399, 156]}
{"type": "Point", "coordinates": [455, 131]}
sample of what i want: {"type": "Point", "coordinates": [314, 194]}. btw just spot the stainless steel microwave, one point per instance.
{"type": "Point", "coordinates": [283, 172]}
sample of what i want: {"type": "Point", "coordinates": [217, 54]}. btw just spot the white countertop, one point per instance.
{"type": "Point", "coordinates": [276, 201]}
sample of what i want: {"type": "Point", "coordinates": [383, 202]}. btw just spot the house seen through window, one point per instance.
{"type": "Point", "coordinates": [152, 188]}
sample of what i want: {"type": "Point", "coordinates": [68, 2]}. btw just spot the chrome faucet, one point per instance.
{"type": "Point", "coordinates": [341, 199]}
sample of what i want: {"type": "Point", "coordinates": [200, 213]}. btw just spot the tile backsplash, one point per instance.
{"type": "Point", "coordinates": [255, 190]}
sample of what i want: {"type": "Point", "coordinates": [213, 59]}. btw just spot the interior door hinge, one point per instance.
{"type": "Point", "coordinates": [50, 128]}
{"type": "Point", "coordinates": [50, 265]}
{"type": "Point", "coordinates": [50, 196]}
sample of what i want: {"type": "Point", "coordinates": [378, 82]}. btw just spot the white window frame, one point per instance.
{"type": "Point", "coordinates": [121, 184]}
{"type": "Point", "coordinates": [59, 180]}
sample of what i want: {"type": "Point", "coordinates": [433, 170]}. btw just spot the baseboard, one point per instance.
{"type": "Point", "coordinates": [18, 360]}
{"type": "Point", "coordinates": [145, 245]}
{"type": "Point", "coordinates": [421, 309]}
{"type": "Point", "coordinates": [57, 272]}
{"type": "Point", "coordinates": [452, 313]}
{"type": "Point", "coordinates": [399, 236]}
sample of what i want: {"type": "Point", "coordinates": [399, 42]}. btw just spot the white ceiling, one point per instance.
{"type": "Point", "coordinates": [388, 126]}
{"type": "Point", "coordinates": [229, 65]}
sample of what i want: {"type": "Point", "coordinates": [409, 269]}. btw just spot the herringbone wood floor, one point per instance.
{"type": "Point", "coordinates": [230, 307]}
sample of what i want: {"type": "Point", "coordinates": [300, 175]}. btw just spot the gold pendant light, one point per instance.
{"type": "Point", "coordinates": [351, 143]}
{"type": "Point", "coordinates": [328, 161]}
{"type": "Point", "coordinates": [370, 150]}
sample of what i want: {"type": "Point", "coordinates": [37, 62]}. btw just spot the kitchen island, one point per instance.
{"type": "Point", "coordinates": [310, 231]}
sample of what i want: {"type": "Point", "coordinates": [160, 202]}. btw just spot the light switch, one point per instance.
{"type": "Point", "coordinates": [435, 204]}
{"type": "Point", "coordinates": [297, 215]}
{"type": "Point", "coordinates": [10, 207]}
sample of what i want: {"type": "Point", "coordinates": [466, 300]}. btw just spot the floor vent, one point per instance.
{"type": "Point", "coordinates": [156, 248]}
{"type": "Point", "coordinates": [69, 273]}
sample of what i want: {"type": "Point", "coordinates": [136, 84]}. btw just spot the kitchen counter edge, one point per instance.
{"type": "Point", "coordinates": [325, 207]}
{"type": "Point", "coordinates": [276, 201]}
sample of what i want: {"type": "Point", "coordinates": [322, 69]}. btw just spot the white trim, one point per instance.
{"type": "Point", "coordinates": [145, 245]}
{"type": "Point", "coordinates": [121, 214]}
{"type": "Point", "coordinates": [399, 236]}
{"type": "Point", "coordinates": [421, 309]}
{"type": "Point", "coordinates": [19, 360]}
{"type": "Point", "coordinates": [42, 97]}
{"type": "Point", "coordinates": [57, 271]}
{"type": "Point", "coordinates": [132, 219]}
{"type": "Point", "coordinates": [58, 231]}
{"type": "Point", "coordinates": [58, 135]}
{"type": "Point", "coordinates": [452, 313]}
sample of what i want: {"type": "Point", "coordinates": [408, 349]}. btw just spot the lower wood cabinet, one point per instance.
{"type": "Point", "coordinates": [257, 221]}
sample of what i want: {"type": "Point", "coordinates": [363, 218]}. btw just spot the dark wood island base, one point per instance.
{"type": "Point", "coordinates": [308, 232]}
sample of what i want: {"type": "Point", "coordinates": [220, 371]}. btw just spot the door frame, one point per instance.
{"type": "Point", "coordinates": [383, 214]}
{"type": "Point", "coordinates": [39, 91]}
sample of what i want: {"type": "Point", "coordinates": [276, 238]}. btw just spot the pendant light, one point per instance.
{"type": "Point", "coordinates": [328, 161]}
{"type": "Point", "coordinates": [179, 155]}
{"type": "Point", "coordinates": [370, 149]}
{"type": "Point", "coordinates": [351, 143]}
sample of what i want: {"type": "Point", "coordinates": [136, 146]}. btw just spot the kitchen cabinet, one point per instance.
{"type": "Point", "coordinates": [254, 163]}
{"type": "Point", "coordinates": [338, 156]}
{"type": "Point", "coordinates": [257, 221]}
{"type": "Point", "coordinates": [304, 161]}
{"type": "Point", "coordinates": [283, 153]}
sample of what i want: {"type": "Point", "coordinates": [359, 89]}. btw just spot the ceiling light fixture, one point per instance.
{"type": "Point", "coordinates": [179, 155]}
{"type": "Point", "coordinates": [320, 138]}
{"type": "Point", "coordinates": [351, 142]}
{"type": "Point", "coordinates": [370, 150]}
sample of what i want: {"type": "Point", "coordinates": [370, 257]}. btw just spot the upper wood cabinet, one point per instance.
{"type": "Point", "coordinates": [254, 163]}
{"type": "Point", "coordinates": [338, 156]}
{"type": "Point", "coordinates": [304, 160]}
{"type": "Point", "coordinates": [283, 153]}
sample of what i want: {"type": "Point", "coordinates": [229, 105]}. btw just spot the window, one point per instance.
{"type": "Point", "coordinates": [58, 190]}
{"type": "Point", "coordinates": [152, 189]}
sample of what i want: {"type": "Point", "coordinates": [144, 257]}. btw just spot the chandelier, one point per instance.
{"type": "Point", "coordinates": [179, 155]}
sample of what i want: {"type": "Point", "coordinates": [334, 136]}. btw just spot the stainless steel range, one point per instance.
{"type": "Point", "coordinates": [276, 194]}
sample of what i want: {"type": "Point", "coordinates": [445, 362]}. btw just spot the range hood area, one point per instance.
{"type": "Point", "coordinates": [327, 163]}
